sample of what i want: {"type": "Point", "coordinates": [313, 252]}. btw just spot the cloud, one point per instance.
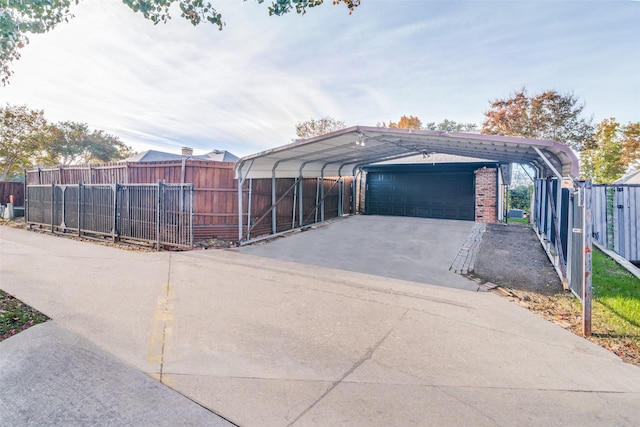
{"type": "Point", "coordinates": [245, 88]}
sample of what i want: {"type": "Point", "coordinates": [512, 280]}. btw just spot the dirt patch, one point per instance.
{"type": "Point", "coordinates": [511, 256]}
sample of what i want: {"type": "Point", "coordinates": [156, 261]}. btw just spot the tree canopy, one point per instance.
{"type": "Point", "coordinates": [547, 115]}
{"type": "Point", "coordinates": [451, 126]}
{"type": "Point", "coordinates": [317, 127]}
{"type": "Point", "coordinates": [23, 134]}
{"type": "Point", "coordinates": [18, 18]}
{"type": "Point", "coordinates": [613, 150]}
{"type": "Point", "coordinates": [413, 122]}
{"type": "Point", "coordinates": [27, 139]}
{"type": "Point", "coordinates": [75, 143]}
{"type": "Point", "coordinates": [520, 197]}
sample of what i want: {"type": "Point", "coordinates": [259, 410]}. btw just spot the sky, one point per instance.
{"type": "Point", "coordinates": [244, 89]}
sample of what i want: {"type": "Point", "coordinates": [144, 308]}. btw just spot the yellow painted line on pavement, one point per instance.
{"type": "Point", "coordinates": [162, 327]}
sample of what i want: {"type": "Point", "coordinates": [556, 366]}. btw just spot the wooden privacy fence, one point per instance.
{"type": "Point", "coordinates": [15, 189]}
{"type": "Point", "coordinates": [155, 213]}
{"type": "Point", "coordinates": [215, 194]}
{"type": "Point", "coordinates": [616, 219]}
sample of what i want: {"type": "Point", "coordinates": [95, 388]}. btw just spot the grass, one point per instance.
{"type": "Point", "coordinates": [615, 288]}
{"type": "Point", "coordinates": [524, 221]}
{"type": "Point", "coordinates": [615, 315]}
{"type": "Point", "coordinates": [16, 316]}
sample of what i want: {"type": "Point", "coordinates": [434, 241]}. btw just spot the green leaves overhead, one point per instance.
{"type": "Point", "coordinates": [19, 18]}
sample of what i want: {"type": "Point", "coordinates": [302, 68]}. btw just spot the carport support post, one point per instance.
{"type": "Point", "coordinates": [353, 192]}
{"type": "Point", "coordinates": [322, 195]}
{"type": "Point", "coordinates": [295, 199]}
{"type": "Point", "coordinates": [249, 209]}
{"type": "Point", "coordinates": [274, 214]}
{"type": "Point", "coordinates": [315, 220]}
{"type": "Point", "coordinates": [240, 182]}
{"type": "Point", "coordinates": [340, 196]}
{"type": "Point", "coordinates": [300, 206]}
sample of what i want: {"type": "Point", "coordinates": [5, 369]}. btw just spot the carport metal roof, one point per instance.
{"type": "Point", "coordinates": [340, 153]}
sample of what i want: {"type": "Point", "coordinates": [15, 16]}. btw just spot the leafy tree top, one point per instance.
{"type": "Point", "coordinates": [413, 122]}
{"type": "Point", "coordinates": [317, 127]}
{"type": "Point", "coordinates": [613, 150]}
{"type": "Point", "coordinates": [27, 138]}
{"type": "Point", "coordinates": [547, 115]}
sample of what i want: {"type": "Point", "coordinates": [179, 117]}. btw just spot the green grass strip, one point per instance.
{"type": "Point", "coordinates": [616, 288]}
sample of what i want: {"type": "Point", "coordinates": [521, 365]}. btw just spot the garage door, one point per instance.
{"type": "Point", "coordinates": [435, 194]}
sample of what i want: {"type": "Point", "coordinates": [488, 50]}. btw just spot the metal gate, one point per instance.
{"type": "Point", "coordinates": [555, 219]}
{"type": "Point", "coordinates": [155, 213]}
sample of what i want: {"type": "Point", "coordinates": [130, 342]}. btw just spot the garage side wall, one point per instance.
{"type": "Point", "coordinates": [486, 194]}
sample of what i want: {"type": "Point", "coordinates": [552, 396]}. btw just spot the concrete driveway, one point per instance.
{"type": "Point", "coordinates": [416, 249]}
{"type": "Point", "coordinates": [267, 342]}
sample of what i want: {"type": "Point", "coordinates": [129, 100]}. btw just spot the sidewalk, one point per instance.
{"type": "Point", "coordinates": [51, 377]}
{"type": "Point", "coordinates": [276, 343]}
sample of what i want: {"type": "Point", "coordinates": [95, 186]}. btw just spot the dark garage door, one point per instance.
{"type": "Point", "coordinates": [447, 194]}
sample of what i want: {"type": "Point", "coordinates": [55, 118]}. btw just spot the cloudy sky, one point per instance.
{"type": "Point", "coordinates": [244, 88]}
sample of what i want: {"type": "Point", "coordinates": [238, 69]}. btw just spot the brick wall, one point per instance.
{"type": "Point", "coordinates": [486, 197]}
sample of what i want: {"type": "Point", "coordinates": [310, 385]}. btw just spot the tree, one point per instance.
{"type": "Point", "coordinates": [613, 149]}
{"type": "Point", "coordinates": [19, 18]}
{"type": "Point", "coordinates": [314, 127]}
{"type": "Point", "coordinates": [413, 122]}
{"type": "Point", "coordinates": [74, 143]}
{"type": "Point", "coordinates": [405, 122]}
{"type": "Point", "coordinates": [520, 197]}
{"type": "Point", "coordinates": [631, 144]}
{"type": "Point", "coordinates": [23, 134]}
{"type": "Point", "coordinates": [26, 138]}
{"type": "Point", "coordinates": [451, 126]}
{"type": "Point", "coordinates": [548, 115]}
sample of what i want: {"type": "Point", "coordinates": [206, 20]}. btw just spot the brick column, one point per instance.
{"type": "Point", "coordinates": [486, 195]}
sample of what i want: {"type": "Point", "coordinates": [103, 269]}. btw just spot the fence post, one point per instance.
{"type": "Point", "coordinates": [587, 282]}
{"type": "Point", "coordinates": [158, 215]}
{"type": "Point", "coordinates": [79, 208]}
{"type": "Point", "coordinates": [190, 214]}
{"type": "Point", "coordinates": [53, 203]}
{"type": "Point", "coordinates": [114, 230]}
{"type": "Point", "coordinates": [26, 198]}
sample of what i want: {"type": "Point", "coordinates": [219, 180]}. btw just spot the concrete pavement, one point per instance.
{"type": "Point", "coordinates": [417, 249]}
{"type": "Point", "coordinates": [50, 376]}
{"type": "Point", "coordinates": [270, 342]}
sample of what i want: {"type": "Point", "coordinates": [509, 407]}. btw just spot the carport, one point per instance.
{"type": "Point", "coordinates": [346, 152]}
